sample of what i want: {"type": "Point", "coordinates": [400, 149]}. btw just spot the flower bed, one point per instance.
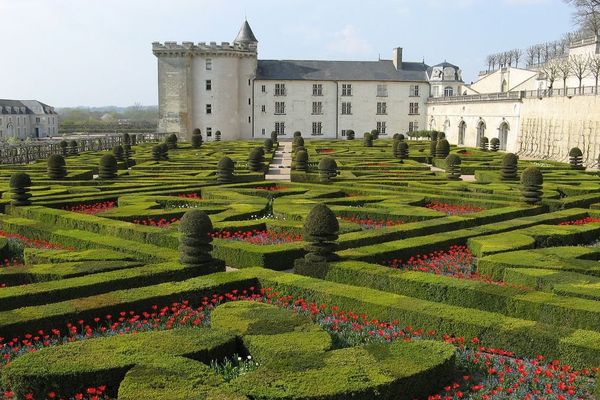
{"type": "Point", "coordinates": [274, 188]}
{"type": "Point", "coordinates": [38, 244]}
{"type": "Point", "coordinates": [264, 237]}
{"type": "Point", "coordinates": [458, 262]}
{"type": "Point", "coordinates": [451, 209]}
{"type": "Point", "coordinates": [325, 151]}
{"type": "Point", "coordinates": [194, 196]}
{"type": "Point", "coordinates": [583, 221]}
{"type": "Point", "coordinates": [368, 223]}
{"type": "Point", "coordinates": [159, 223]}
{"type": "Point", "coordinates": [92, 209]}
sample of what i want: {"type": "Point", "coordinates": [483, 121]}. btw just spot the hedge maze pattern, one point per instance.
{"type": "Point", "coordinates": [465, 280]}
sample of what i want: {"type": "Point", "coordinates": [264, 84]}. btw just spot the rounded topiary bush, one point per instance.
{"type": "Point", "coordinates": [327, 169]}
{"type": "Point", "coordinates": [350, 134]}
{"type": "Point", "coordinates": [73, 148]}
{"type": "Point", "coordinates": [532, 182]}
{"type": "Point", "coordinates": [164, 152]}
{"type": "Point", "coordinates": [508, 170]}
{"type": "Point", "coordinates": [57, 167]}
{"type": "Point", "coordinates": [268, 145]}
{"type": "Point", "coordinates": [375, 134]}
{"type": "Point", "coordinates": [108, 167]}
{"type": "Point", "coordinates": [495, 144]}
{"type": "Point", "coordinates": [402, 150]}
{"type": "Point", "coordinates": [225, 169]}
{"type": "Point", "coordinates": [19, 184]}
{"type": "Point", "coordinates": [576, 158]}
{"type": "Point", "coordinates": [64, 147]}
{"type": "Point", "coordinates": [171, 141]}
{"type": "Point", "coordinates": [119, 153]}
{"type": "Point", "coordinates": [483, 144]}
{"type": "Point", "coordinates": [197, 138]}
{"type": "Point", "coordinates": [256, 159]}
{"type": "Point", "coordinates": [368, 140]}
{"type": "Point", "coordinates": [302, 161]}
{"type": "Point", "coordinates": [297, 134]}
{"type": "Point", "coordinates": [442, 148]}
{"type": "Point", "coordinates": [298, 143]}
{"type": "Point", "coordinates": [195, 240]}
{"type": "Point", "coordinates": [453, 162]}
{"type": "Point", "coordinates": [320, 231]}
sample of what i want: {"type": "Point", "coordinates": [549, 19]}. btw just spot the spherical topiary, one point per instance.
{"type": "Point", "coordinates": [73, 148]}
{"type": "Point", "coordinates": [302, 161]}
{"type": "Point", "coordinates": [64, 147]}
{"type": "Point", "coordinates": [433, 136]}
{"type": "Point", "coordinates": [19, 184]}
{"type": "Point", "coordinates": [171, 141]}
{"type": "Point", "coordinates": [327, 169]}
{"type": "Point", "coordinates": [225, 169]}
{"type": "Point", "coordinates": [532, 182]}
{"type": "Point", "coordinates": [375, 134]}
{"type": "Point", "coordinates": [367, 140]}
{"type": "Point", "coordinates": [118, 153]}
{"type": "Point", "coordinates": [256, 159]}
{"type": "Point", "coordinates": [402, 150]}
{"type": "Point", "coordinates": [442, 148]}
{"type": "Point", "coordinates": [483, 143]}
{"type": "Point", "coordinates": [432, 148]}
{"type": "Point", "coordinates": [453, 162]}
{"type": "Point", "coordinates": [396, 136]}
{"type": "Point", "coordinates": [218, 136]}
{"type": "Point", "coordinates": [320, 231]}
{"type": "Point", "coordinates": [274, 137]}
{"type": "Point", "coordinates": [108, 167]}
{"type": "Point", "coordinates": [164, 152]}
{"type": "Point", "coordinates": [156, 150]}
{"type": "Point", "coordinates": [508, 171]}
{"type": "Point", "coordinates": [195, 240]}
{"type": "Point", "coordinates": [401, 136]}
{"type": "Point", "coordinates": [297, 134]}
{"type": "Point", "coordinates": [350, 134]}
{"type": "Point", "coordinates": [268, 145]}
{"type": "Point", "coordinates": [495, 144]}
{"type": "Point", "coordinates": [196, 138]}
{"type": "Point", "coordinates": [57, 167]}
{"type": "Point", "coordinates": [576, 158]}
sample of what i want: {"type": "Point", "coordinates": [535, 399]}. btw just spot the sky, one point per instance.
{"type": "Point", "coordinates": [99, 52]}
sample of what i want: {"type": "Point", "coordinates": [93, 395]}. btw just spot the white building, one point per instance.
{"type": "Point", "coordinates": [23, 119]}
{"type": "Point", "coordinates": [226, 88]}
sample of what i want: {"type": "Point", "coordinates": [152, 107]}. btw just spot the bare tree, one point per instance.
{"type": "Point", "coordinates": [531, 52]}
{"type": "Point", "coordinates": [594, 67]}
{"type": "Point", "coordinates": [539, 51]}
{"type": "Point", "coordinates": [563, 67]}
{"type": "Point", "coordinates": [550, 70]}
{"type": "Point", "coordinates": [517, 54]}
{"type": "Point", "coordinates": [586, 15]}
{"type": "Point", "coordinates": [579, 66]}
{"type": "Point", "coordinates": [546, 51]}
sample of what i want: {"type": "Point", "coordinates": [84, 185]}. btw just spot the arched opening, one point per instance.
{"type": "Point", "coordinates": [10, 130]}
{"type": "Point", "coordinates": [503, 135]}
{"type": "Point", "coordinates": [462, 127]}
{"type": "Point", "coordinates": [480, 132]}
{"type": "Point", "coordinates": [432, 124]}
{"type": "Point", "coordinates": [504, 88]}
{"type": "Point", "coordinates": [448, 91]}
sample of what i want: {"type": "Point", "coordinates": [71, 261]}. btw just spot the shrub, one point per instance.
{"type": "Point", "coordinates": [453, 162]}
{"type": "Point", "coordinates": [483, 144]}
{"type": "Point", "coordinates": [403, 150]}
{"type": "Point", "coordinates": [225, 170]}
{"type": "Point", "coordinates": [302, 161]}
{"type": "Point", "coordinates": [368, 140]}
{"type": "Point", "coordinates": [576, 158]}
{"type": "Point", "coordinates": [268, 145]}
{"type": "Point", "coordinates": [320, 232]}
{"type": "Point", "coordinates": [274, 137]}
{"type": "Point", "coordinates": [375, 134]}
{"type": "Point", "coordinates": [73, 148]}
{"type": "Point", "coordinates": [194, 243]}
{"type": "Point", "coordinates": [350, 134]}
{"type": "Point", "coordinates": [495, 144]}
{"type": "Point", "coordinates": [327, 169]}
{"type": "Point", "coordinates": [64, 147]}
{"type": "Point", "coordinates": [298, 143]}
{"type": "Point", "coordinates": [57, 168]}
{"type": "Point", "coordinates": [395, 151]}
{"type": "Point", "coordinates": [108, 167]}
{"type": "Point", "coordinates": [532, 181]}
{"type": "Point", "coordinates": [164, 152]}
{"type": "Point", "coordinates": [20, 182]}
{"type": "Point", "coordinates": [118, 152]}
{"type": "Point", "coordinates": [218, 136]}
{"type": "Point", "coordinates": [508, 171]}
{"type": "Point", "coordinates": [256, 159]}
{"type": "Point", "coordinates": [156, 151]}
{"type": "Point", "coordinates": [442, 149]}
{"type": "Point", "coordinates": [432, 148]}
{"type": "Point", "coordinates": [441, 135]}
{"type": "Point", "coordinates": [433, 136]}
{"type": "Point", "coordinates": [297, 134]}
{"type": "Point", "coordinates": [171, 141]}
{"type": "Point", "coordinates": [196, 138]}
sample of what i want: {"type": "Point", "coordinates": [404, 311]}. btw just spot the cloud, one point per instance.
{"type": "Point", "coordinates": [349, 41]}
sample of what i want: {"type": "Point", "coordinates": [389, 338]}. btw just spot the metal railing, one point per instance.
{"type": "Point", "coordinates": [517, 96]}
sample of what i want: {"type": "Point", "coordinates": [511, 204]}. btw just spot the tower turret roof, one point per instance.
{"type": "Point", "coordinates": [246, 35]}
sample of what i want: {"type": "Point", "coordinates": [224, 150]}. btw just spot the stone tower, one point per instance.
{"type": "Point", "coordinates": [207, 86]}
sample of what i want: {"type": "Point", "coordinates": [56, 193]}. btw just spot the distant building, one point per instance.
{"type": "Point", "coordinates": [23, 119]}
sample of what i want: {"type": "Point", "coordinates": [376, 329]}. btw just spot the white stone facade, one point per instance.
{"type": "Point", "coordinates": [22, 119]}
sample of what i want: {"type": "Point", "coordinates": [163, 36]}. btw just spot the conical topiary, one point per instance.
{"type": "Point", "coordinates": [532, 182]}
{"type": "Point", "coordinates": [195, 240]}
{"type": "Point", "coordinates": [57, 167]}
{"type": "Point", "coordinates": [495, 144]}
{"type": "Point", "coordinates": [453, 162]}
{"type": "Point", "coordinates": [20, 183]}
{"type": "Point", "coordinates": [442, 149]}
{"type": "Point", "coordinates": [508, 171]}
{"type": "Point", "coordinates": [164, 152]}
{"type": "Point", "coordinates": [225, 169]}
{"type": "Point", "coordinates": [156, 152]}
{"type": "Point", "coordinates": [64, 148]}
{"type": "Point", "coordinates": [327, 169]}
{"type": "Point", "coordinates": [256, 160]}
{"type": "Point", "coordinates": [274, 137]}
{"type": "Point", "coordinates": [350, 134]}
{"type": "Point", "coordinates": [367, 140]}
{"type": "Point", "coordinates": [576, 158]}
{"type": "Point", "coordinates": [217, 136]}
{"type": "Point", "coordinates": [118, 152]}
{"type": "Point", "coordinates": [171, 141]}
{"type": "Point", "coordinates": [268, 145]}
{"type": "Point", "coordinates": [108, 167]}
{"type": "Point", "coordinates": [197, 138]}
{"type": "Point", "coordinates": [483, 143]}
{"type": "Point", "coordinates": [302, 161]}
{"type": "Point", "coordinates": [320, 232]}
{"type": "Point", "coordinates": [402, 150]}
{"type": "Point", "coordinates": [73, 148]}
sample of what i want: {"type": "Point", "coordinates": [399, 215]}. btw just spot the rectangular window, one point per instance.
{"type": "Point", "coordinates": [208, 84]}
{"type": "Point", "coordinates": [344, 132]}
{"type": "Point", "coordinates": [37, 120]}
{"type": "Point", "coordinates": [264, 132]}
{"type": "Point", "coordinates": [280, 128]}
{"type": "Point", "coordinates": [249, 101]}
{"type": "Point", "coordinates": [263, 88]}
{"type": "Point", "coordinates": [346, 108]}
{"type": "Point", "coordinates": [263, 108]}
{"type": "Point", "coordinates": [317, 108]}
{"type": "Point", "coordinates": [317, 128]}
{"type": "Point", "coordinates": [346, 89]}
{"type": "Point", "coordinates": [413, 109]}
{"type": "Point", "coordinates": [249, 120]}
{"type": "Point", "coordinates": [317, 89]}
{"type": "Point", "coordinates": [381, 128]}
{"type": "Point", "coordinates": [279, 107]}
{"type": "Point", "coordinates": [280, 89]}
{"type": "Point", "coordinates": [413, 126]}
{"type": "Point", "coordinates": [209, 108]}
{"type": "Point", "coordinates": [249, 82]}
{"type": "Point", "coordinates": [382, 91]}
{"type": "Point", "coordinates": [381, 108]}
{"type": "Point", "coordinates": [208, 132]}
{"type": "Point", "coordinates": [414, 90]}
{"type": "Point", "coordinates": [209, 64]}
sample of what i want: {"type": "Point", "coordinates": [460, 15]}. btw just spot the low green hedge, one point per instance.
{"type": "Point", "coordinates": [240, 254]}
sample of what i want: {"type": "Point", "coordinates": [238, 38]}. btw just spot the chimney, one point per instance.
{"type": "Point", "coordinates": [397, 58]}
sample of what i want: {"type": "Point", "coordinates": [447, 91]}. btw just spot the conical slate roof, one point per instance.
{"type": "Point", "coordinates": [246, 35]}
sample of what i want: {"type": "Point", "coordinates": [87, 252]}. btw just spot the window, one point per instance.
{"type": "Point", "coordinates": [346, 89]}
{"type": "Point", "coordinates": [414, 90]}
{"type": "Point", "coordinates": [381, 108]}
{"type": "Point", "coordinates": [263, 88]}
{"type": "Point", "coordinates": [280, 89]}
{"type": "Point", "coordinates": [264, 132]}
{"type": "Point", "coordinates": [249, 101]}
{"type": "Point", "coordinates": [317, 89]}
{"type": "Point", "coordinates": [279, 107]}
{"type": "Point", "coordinates": [316, 128]}
{"type": "Point", "coordinates": [37, 120]}
{"type": "Point", "coordinates": [317, 108]}
{"type": "Point", "coordinates": [382, 91]}
{"type": "Point", "coordinates": [344, 132]}
{"type": "Point", "coordinates": [346, 108]}
{"type": "Point", "coordinates": [249, 120]}
{"type": "Point", "coordinates": [263, 108]}
{"type": "Point", "coordinates": [209, 64]}
{"type": "Point", "coordinates": [381, 128]}
{"type": "Point", "coordinates": [413, 126]}
{"type": "Point", "coordinates": [208, 132]}
{"type": "Point", "coordinates": [448, 91]}
{"type": "Point", "coordinates": [208, 84]}
{"type": "Point", "coordinates": [280, 128]}
{"type": "Point", "coordinates": [249, 82]}
{"type": "Point", "coordinates": [413, 109]}
{"type": "Point", "coordinates": [209, 108]}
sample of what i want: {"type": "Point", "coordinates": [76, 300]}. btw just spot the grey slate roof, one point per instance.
{"type": "Point", "coordinates": [27, 104]}
{"type": "Point", "coordinates": [317, 70]}
{"type": "Point", "coordinates": [245, 34]}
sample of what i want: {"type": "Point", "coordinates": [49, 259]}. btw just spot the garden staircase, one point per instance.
{"type": "Point", "coordinates": [281, 165]}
